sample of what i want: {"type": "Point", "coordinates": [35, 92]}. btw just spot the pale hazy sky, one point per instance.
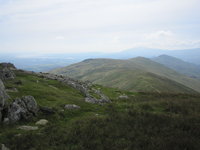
{"type": "Point", "coordinates": [98, 25]}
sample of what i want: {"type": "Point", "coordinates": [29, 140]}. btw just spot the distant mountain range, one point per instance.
{"type": "Point", "coordinates": [137, 74]}
{"type": "Point", "coordinates": [188, 55]}
{"type": "Point", "coordinates": [47, 62]}
{"type": "Point", "coordinates": [179, 65]}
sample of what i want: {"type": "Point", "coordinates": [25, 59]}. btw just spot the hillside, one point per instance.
{"type": "Point", "coordinates": [179, 65]}
{"type": "Point", "coordinates": [128, 121]}
{"type": "Point", "coordinates": [137, 74]}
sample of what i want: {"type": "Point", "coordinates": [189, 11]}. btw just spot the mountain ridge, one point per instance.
{"type": "Point", "coordinates": [106, 70]}
{"type": "Point", "coordinates": [179, 65]}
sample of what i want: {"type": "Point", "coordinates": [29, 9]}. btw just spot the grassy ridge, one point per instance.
{"type": "Point", "coordinates": [143, 121]}
{"type": "Point", "coordinates": [137, 74]}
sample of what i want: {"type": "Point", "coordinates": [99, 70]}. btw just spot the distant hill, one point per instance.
{"type": "Point", "coordinates": [137, 74]}
{"type": "Point", "coordinates": [179, 65]}
{"type": "Point", "coordinates": [189, 55]}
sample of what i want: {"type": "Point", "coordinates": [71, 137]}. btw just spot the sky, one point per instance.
{"type": "Point", "coordinates": [63, 26]}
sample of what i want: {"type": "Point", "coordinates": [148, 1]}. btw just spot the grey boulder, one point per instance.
{"type": "Point", "coordinates": [23, 108]}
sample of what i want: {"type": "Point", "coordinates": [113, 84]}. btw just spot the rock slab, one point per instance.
{"type": "Point", "coordinates": [42, 122]}
{"type": "Point", "coordinates": [72, 106]}
{"type": "Point", "coordinates": [28, 128]}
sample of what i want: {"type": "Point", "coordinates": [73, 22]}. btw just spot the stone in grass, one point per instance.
{"type": "Point", "coordinates": [42, 122]}
{"type": "Point", "coordinates": [3, 147]}
{"type": "Point", "coordinates": [71, 106]}
{"type": "Point", "coordinates": [123, 96]}
{"type": "Point", "coordinates": [28, 128]}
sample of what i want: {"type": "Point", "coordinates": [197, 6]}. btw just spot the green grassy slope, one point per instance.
{"type": "Point", "coordinates": [143, 121]}
{"type": "Point", "coordinates": [179, 65]}
{"type": "Point", "coordinates": [137, 74]}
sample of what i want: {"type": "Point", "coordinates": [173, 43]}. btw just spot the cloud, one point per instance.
{"type": "Point", "coordinates": [60, 37]}
{"type": "Point", "coordinates": [159, 35]}
{"type": "Point", "coordinates": [93, 25]}
{"type": "Point", "coordinates": [116, 39]}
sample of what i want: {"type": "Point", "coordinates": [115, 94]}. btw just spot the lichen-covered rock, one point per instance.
{"type": "Point", "coordinates": [23, 108]}
{"type": "Point", "coordinates": [72, 106]}
{"type": "Point", "coordinates": [31, 104]}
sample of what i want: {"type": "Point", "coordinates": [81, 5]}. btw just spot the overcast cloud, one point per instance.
{"type": "Point", "coordinates": [98, 25]}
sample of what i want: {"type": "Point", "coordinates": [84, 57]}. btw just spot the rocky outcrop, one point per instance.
{"type": "Point", "coordinates": [23, 108]}
{"type": "Point", "coordinates": [8, 65]}
{"type": "Point", "coordinates": [3, 98]}
{"type": "Point", "coordinates": [6, 71]}
{"type": "Point", "coordinates": [71, 106]}
{"type": "Point", "coordinates": [3, 94]}
{"type": "Point", "coordinates": [84, 87]}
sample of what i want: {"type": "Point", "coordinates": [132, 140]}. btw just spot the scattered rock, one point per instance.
{"type": "Point", "coordinates": [91, 100]}
{"type": "Point", "coordinates": [11, 90]}
{"type": "Point", "coordinates": [123, 97]}
{"type": "Point", "coordinates": [23, 108]}
{"type": "Point", "coordinates": [96, 101]}
{"type": "Point", "coordinates": [72, 106]}
{"type": "Point", "coordinates": [46, 110]}
{"type": "Point", "coordinates": [3, 147]}
{"type": "Point", "coordinates": [28, 128]}
{"type": "Point", "coordinates": [42, 122]}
